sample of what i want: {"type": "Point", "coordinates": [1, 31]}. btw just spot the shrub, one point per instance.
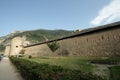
{"type": "Point", "coordinates": [29, 56]}
{"type": "Point", "coordinates": [115, 72]}
{"type": "Point", "coordinates": [35, 71]}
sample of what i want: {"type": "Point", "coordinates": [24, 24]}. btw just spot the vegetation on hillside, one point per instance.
{"type": "Point", "coordinates": [35, 36]}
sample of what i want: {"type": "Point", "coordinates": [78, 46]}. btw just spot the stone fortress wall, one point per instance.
{"type": "Point", "coordinates": [103, 43]}
{"type": "Point", "coordinates": [100, 41]}
{"type": "Point", "coordinates": [39, 50]}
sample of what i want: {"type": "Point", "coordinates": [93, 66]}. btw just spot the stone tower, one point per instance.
{"type": "Point", "coordinates": [16, 45]}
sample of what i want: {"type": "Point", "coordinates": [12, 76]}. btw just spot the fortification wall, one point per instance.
{"type": "Point", "coordinates": [99, 43]}
{"type": "Point", "coordinates": [7, 51]}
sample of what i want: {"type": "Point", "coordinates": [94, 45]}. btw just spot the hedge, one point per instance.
{"type": "Point", "coordinates": [35, 71]}
{"type": "Point", "coordinates": [110, 61]}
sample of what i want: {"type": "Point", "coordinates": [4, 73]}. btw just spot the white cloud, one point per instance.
{"type": "Point", "coordinates": [108, 14]}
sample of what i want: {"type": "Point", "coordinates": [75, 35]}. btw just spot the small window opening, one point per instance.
{"type": "Point", "coordinates": [102, 37]}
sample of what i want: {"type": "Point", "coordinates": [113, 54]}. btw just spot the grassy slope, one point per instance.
{"type": "Point", "coordinates": [73, 63]}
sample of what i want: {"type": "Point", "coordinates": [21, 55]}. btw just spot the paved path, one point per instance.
{"type": "Point", "coordinates": [8, 70]}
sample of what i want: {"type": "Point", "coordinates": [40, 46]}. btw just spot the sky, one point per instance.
{"type": "Point", "coordinates": [56, 14]}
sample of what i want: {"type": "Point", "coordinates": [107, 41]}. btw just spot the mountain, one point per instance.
{"type": "Point", "coordinates": [35, 36]}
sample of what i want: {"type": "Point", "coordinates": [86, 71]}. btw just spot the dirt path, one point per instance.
{"type": "Point", "coordinates": [8, 71]}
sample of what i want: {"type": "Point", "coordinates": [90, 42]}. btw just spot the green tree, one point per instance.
{"type": "Point", "coordinates": [53, 46]}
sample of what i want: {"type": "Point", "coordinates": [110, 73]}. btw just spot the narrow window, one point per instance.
{"type": "Point", "coordinates": [87, 40]}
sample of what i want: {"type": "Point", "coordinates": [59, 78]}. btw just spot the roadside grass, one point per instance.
{"type": "Point", "coordinates": [32, 70]}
